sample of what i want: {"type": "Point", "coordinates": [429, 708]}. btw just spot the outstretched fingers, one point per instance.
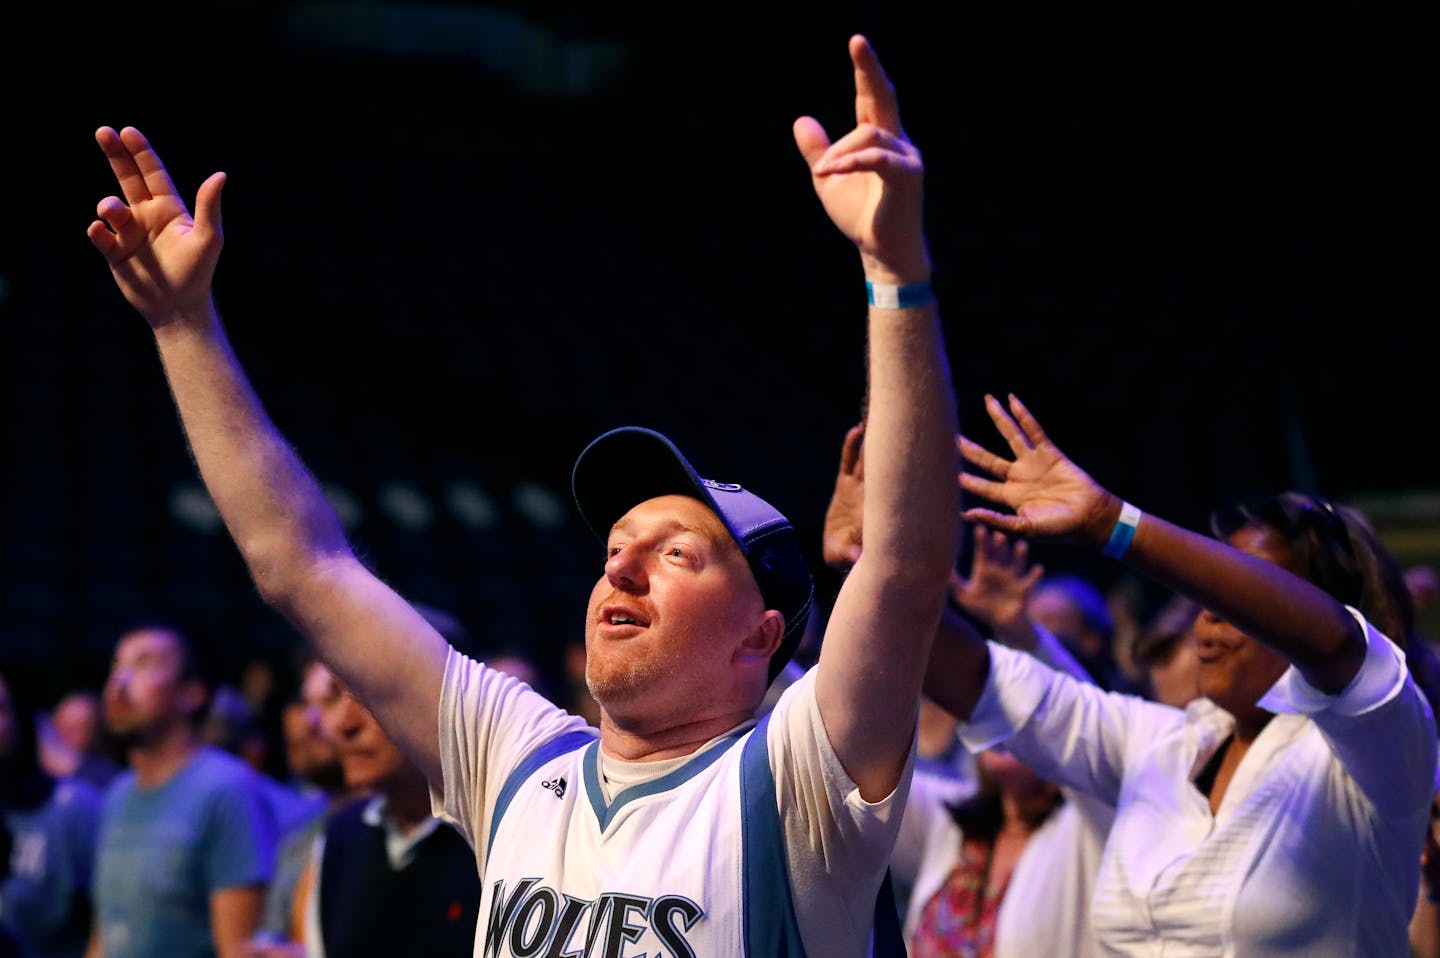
{"type": "Point", "coordinates": [122, 163]}
{"type": "Point", "coordinates": [1008, 428]}
{"type": "Point", "coordinates": [1022, 557]}
{"type": "Point", "coordinates": [115, 231]}
{"type": "Point", "coordinates": [1033, 432]}
{"type": "Point", "coordinates": [103, 240]}
{"type": "Point", "coordinates": [984, 488]}
{"type": "Point", "coordinates": [874, 93]}
{"type": "Point", "coordinates": [1000, 551]}
{"type": "Point", "coordinates": [977, 455]}
{"type": "Point", "coordinates": [994, 546]}
{"type": "Point", "coordinates": [147, 161]}
{"type": "Point", "coordinates": [1005, 522]}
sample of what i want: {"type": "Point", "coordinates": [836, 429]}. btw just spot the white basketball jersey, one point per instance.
{"type": "Point", "coordinates": [689, 864]}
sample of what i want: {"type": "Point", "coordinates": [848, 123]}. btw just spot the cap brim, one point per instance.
{"type": "Point", "coordinates": [623, 468]}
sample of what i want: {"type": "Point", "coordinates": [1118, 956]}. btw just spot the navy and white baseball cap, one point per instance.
{"type": "Point", "coordinates": [624, 467]}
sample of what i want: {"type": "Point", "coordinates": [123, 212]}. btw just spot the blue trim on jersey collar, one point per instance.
{"type": "Point", "coordinates": [604, 816]}
{"type": "Point", "coordinates": [529, 765]}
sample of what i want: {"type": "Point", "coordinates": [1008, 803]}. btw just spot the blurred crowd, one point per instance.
{"type": "Point", "coordinates": [307, 772]}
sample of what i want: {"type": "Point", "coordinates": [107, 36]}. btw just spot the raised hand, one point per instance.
{"type": "Point", "coordinates": [162, 259]}
{"type": "Point", "coordinates": [844, 518]}
{"type": "Point", "coordinates": [1050, 496]}
{"type": "Point", "coordinates": [1000, 579]}
{"type": "Point", "coordinates": [870, 180]}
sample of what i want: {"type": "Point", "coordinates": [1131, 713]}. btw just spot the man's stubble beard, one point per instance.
{"type": "Point", "coordinates": [622, 682]}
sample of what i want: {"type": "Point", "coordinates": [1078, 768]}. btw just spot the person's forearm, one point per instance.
{"type": "Point", "coordinates": [911, 503]}
{"type": "Point", "coordinates": [958, 665]}
{"type": "Point", "coordinates": [294, 545]}
{"type": "Point", "coordinates": [1296, 619]}
{"type": "Point", "coordinates": [883, 621]}
{"type": "Point", "coordinates": [272, 507]}
{"type": "Point", "coordinates": [234, 916]}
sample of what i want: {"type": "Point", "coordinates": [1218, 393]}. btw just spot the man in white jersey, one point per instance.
{"type": "Point", "coordinates": [681, 826]}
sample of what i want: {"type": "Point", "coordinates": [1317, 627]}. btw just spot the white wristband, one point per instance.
{"type": "Point", "coordinates": [899, 297]}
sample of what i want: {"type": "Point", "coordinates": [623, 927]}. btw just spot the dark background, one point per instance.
{"type": "Point", "coordinates": [463, 239]}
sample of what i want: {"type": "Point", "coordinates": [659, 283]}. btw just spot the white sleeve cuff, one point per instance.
{"type": "Point", "coordinates": [1013, 690]}
{"type": "Point", "coordinates": [1381, 676]}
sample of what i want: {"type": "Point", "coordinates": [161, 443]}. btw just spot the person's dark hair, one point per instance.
{"type": "Point", "coordinates": [1339, 550]}
{"type": "Point", "coordinates": [1336, 548]}
{"type": "Point", "coordinates": [982, 815]}
{"type": "Point", "coordinates": [1088, 600]}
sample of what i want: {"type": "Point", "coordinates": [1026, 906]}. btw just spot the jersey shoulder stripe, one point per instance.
{"type": "Point", "coordinates": [542, 753]}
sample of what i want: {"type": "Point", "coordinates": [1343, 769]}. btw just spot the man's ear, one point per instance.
{"type": "Point", "coordinates": [764, 639]}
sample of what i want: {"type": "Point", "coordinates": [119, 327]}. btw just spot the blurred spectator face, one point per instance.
{"type": "Point", "coordinates": [367, 755]}
{"type": "Point", "coordinates": [1423, 581]}
{"type": "Point", "coordinates": [308, 753]}
{"type": "Point", "coordinates": [1056, 611]}
{"type": "Point", "coordinates": [257, 683]}
{"type": "Point", "coordinates": [76, 718]}
{"type": "Point", "coordinates": [1012, 776]}
{"type": "Point", "coordinates": [1031, 796]}
{"type": "Point", "coordinates": [146, 694]}
{"type": "Point", "coordinates": [1175, 681]}
{"type": "Point", "coordinates": [231, 724]}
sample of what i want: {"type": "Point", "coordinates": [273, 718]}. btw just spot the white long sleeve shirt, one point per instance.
{"type": "Point", "coordinates": [1315, 850]}
{"type": "Point", "coordinates": [1046, 909]}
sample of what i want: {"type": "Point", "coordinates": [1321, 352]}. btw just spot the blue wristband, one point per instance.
{"type": "Point", "coordinates": [899, 297]}
{"type": "Point", "coordinates": [1123, 532]}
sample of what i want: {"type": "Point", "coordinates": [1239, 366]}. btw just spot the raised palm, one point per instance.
{"type": "Point", "coordinates": [1001, 577]}
{"type": "Point", "coordinates": [870, 180]}
{"type": "Point", "coordinates": [162, 258]}
{"type": "Point", "coordinates": [1049, 495]}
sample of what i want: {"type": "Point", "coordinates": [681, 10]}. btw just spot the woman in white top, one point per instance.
{"type": "Point", "coordinates": [1280, 814]}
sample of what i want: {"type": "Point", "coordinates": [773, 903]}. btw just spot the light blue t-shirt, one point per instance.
{"type": "Point", "coordinates": [44, 902]}
{"type": "Point", "coordinates": [164, 851]}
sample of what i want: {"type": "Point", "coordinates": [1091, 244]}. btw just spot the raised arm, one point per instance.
{"type": "Point", "coordinates": [164, 262]}
{"type": "Point", "coordinates": [997, 591]}
{"type": "Point", "coordinates": [873, 655]}
{"type": "Point", "coordinates": [1051, 497]}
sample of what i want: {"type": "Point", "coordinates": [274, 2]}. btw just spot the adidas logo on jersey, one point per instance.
{"type": "Point", "coordinates": [557, 786]}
